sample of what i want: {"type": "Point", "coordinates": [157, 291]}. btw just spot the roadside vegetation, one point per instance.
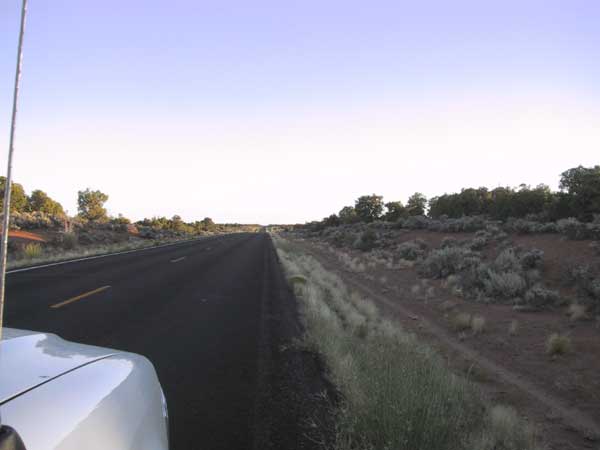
{"type": "Point", "coordinates": [41, 231]}
{"type": "Point", "coordinates": [396, 392]}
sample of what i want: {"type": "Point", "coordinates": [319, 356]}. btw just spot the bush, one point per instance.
{"type": "Point", "coordinates": [478, 324]}
{"type": "Point", "coordinates": [477, 243]}
{"type": "Point", "coordinates": [539, 297]}
{"type": "Point", "coordinates": [523, 226]}
{"type": "Point", "coordinates": [531, 259]}
{"type": "Point", "coordinates": [442, 262]}
{"type": "Point", "coordinates": [411, 250]}
{"type": "Point", "coordinates": [461, 321]}
{"type": "Point", "coordinates": [69, 241]}
{"type": "Point", "coordinates": [367, 241]}
{"type": "Point", "coordinates": [504, 432]}
{"type": "Point", "coordinates": [449, 242]}
{"type": "Point", "coordinates": [32, 250]}
{"type": "Point", "coordinates": [572, 228]}
{"type": "Point", "coordinates": [507, 261]}
{"type": "Point", "coordinates": [588, 285]}
{"type": "Point", "coordinates": [558, 344]}
{"type": "Point", "coordinates": [413, 223]}
{"type": "Point", "coordinates": [505, 285]}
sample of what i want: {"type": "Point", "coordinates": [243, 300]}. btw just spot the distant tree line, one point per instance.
{"type": "Point", "coordinates": [578, 196]}
{"type": "Point", "coordinates": [90, 208]}
{"type": "Point", "coordinates": [38, 200]}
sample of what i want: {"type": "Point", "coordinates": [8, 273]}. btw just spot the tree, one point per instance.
{"type": "Point", "coordinates": [40, 201]}
{"type": "Point", "coordinates": [582, 184]}
{"type": "Point", "coordinates": [395, 210]}
{"type": "Point", "coordinates": [18, 200]}
{"type": "Point", "coordinates": [208, 224]}
{"type": "Point", "coordinates": [369, 207]}
{"type": "Point", "coordinates": [348, 215]}
{"type": "Point", "coordinates": [416, 204]}
{"type": "Point", "coordinates": [331, 221]}
{"type": "Point", "coordinates": [91, 204]}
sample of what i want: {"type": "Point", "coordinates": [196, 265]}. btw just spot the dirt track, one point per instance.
{"type": "Point", "coordinates": [560, 422]}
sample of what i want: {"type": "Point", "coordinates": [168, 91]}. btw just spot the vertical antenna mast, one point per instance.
{"type": "Point", "coordinates": [8, 184]}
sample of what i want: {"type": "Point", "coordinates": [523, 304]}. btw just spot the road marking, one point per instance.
{"type": "Point", "coordinates": [178, 259]}
{"type": "Point", "coordinates": [79, 297]}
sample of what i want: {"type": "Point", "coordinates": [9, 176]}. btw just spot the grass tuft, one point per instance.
{"type": "Point", "coordinates": [461, 321]}
{"type": "Point", "coordinates": [478, 324]}
{"type": "Point", "coordinates": [32, 250]}
{"type": "Point", "coordinates": [577, 312]}
{"type": "Point", "coordinates": [558, 344]}
{"type": "Point", "coordinates": [513, 328]}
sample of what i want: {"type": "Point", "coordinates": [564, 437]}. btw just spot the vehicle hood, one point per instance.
{"type": "Point", "coordinates": [28, 359]}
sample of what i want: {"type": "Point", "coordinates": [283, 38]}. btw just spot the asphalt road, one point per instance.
{"type": "Point", "coordinates": [194, 309]}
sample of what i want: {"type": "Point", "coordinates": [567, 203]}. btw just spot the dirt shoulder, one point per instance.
{"type": "Point", "coordinates": [560, 396]}
{"type": "Point", "coordinates": [293, 409]}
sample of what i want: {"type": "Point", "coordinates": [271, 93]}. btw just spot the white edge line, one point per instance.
{"type": "Point", "coordinates": [178, 259]}
{"type": "Point", "coordinates": [87, 258]}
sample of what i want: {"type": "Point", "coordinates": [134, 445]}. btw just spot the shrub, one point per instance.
{"type": "Point", "coordinates": [461, 321]}
{"type": "Point", "coordinates": [523, 226]}
{"type": "Point", "coordinates": [504, 431]}
{"type": "Point", "coordinates": [558, 344]}
{"type": "Point", "coordinates": [513, 328]}
{"type": "Point", "coordinates": [367, 240]}
{"type": "Point", "coordinates": [416, 290]}
{"type": "Point", "coordinates": [548, 227]}
{"type": "Point", "coordinates": [477, 243]}
{"type": "Point", "coordinates": [478, 324]}
{"type": "Point", "coordinates": [572, 228]}
{"type": "Point", "coordinates": [414, 223]}
{"type": "Point", "coordinates": [507, 261]}
{"type": "Point", "coordinates": [411, 250]}
{"type": "Point", "coordinates": [587, 284]}
{"type": "Point", "coordinates": [32, 250]}
{"type": "Point", "coordinates": [576, 312]}
{"type": "Point", "coordinates": [504, 284]}
{"type": "Point", "coordinates": [449, 241]}
{"type": "Point", "coordinates": [69, 241]}
{"type": "Point", "coordinates": [440, 263]}
{"type": "Point", "coordinates": [539, 297]}
{"type": "Point", "coordinates": [531, 259]}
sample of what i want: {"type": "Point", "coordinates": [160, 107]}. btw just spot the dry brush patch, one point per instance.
{"type": "Point", "coordinates": [397, 393]}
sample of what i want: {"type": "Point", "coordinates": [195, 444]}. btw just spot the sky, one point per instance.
{"type": "Point", "coordinates": [286, 111]}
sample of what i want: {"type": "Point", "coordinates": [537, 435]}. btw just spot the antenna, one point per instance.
{"type": "Point", "coordinates": [8, 184]}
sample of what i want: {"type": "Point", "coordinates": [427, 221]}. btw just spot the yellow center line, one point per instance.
{"type": "Point", "coordinates": [79, 297]}
{"type": "Point", "coordinates": [178, 259]}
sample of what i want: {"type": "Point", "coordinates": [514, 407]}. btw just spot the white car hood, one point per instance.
{"type": "Point", "coordinates": [28, 359]}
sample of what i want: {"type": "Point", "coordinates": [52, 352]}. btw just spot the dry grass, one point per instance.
{"type": "Point", "coordinates": [416, 290]}
{"type": "Point", "coordinates": [558, 344]}
{"type": "Point", "coordinates": [430, 292]}
{"type": "Point", "coordinates": [396, 392]}
{"type": "Point", "coordinates": [513, 328]}
{"type": "Point", "coordinates": [577, 312]}
{"type": "Point", "coordinates": [82, 252]}
{"type": "Point", "coordinates": [461, 321]}
{"type": "Point", "coordinates": [478, 324]}
{"type": "Point", "coordinates": [32, 251]}
{"type": "Point", "coordinates": [505, 431]}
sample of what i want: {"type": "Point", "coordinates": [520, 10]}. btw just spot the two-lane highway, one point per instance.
{"type": "Point", "coordinates": [194, 309]}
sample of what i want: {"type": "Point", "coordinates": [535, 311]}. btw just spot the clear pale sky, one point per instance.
{"type": "Point", "coordinates": [285, 111]}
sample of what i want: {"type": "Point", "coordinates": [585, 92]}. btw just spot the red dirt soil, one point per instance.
{"type": "Point", "coordinates": [561, 395]}
{"type": "Point", "coordinates": [25, 235]}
